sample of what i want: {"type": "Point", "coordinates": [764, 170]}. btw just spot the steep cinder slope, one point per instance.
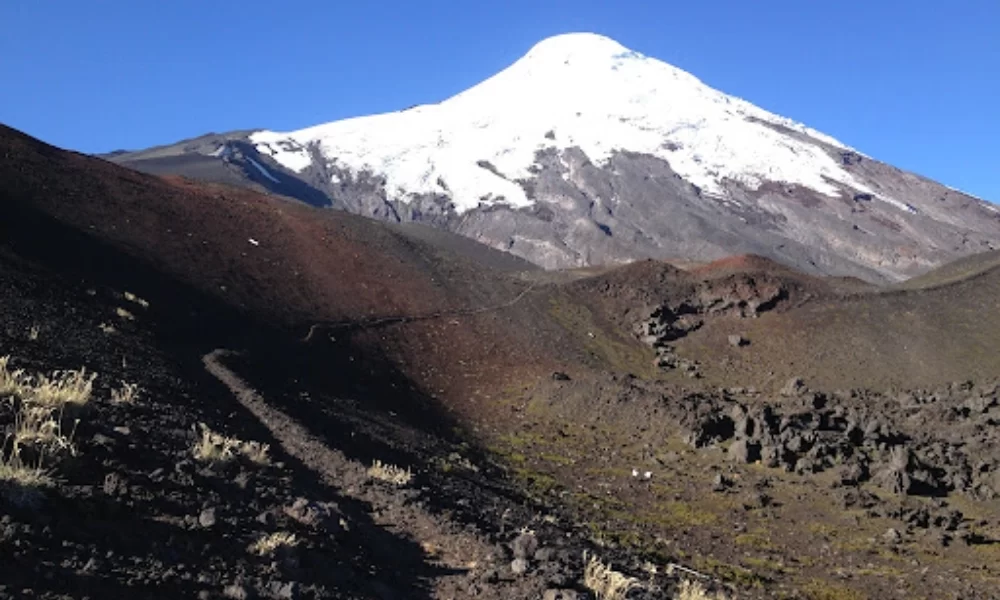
{"type": "Point", "coordinates": [431, 302]}
{"type": "Point", "coordinates": [286, 261]}
{"type": "Point", "coordinates": [147, 284]}
{"type": "Point", "coordinates": [478, 353]}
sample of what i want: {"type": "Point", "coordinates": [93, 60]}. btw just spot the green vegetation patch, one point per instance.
{"type": "Point", "coordinates": [618, 354]}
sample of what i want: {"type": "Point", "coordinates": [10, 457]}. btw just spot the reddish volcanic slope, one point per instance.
{"type": "Point", "coordinates": [269, 255]}
{"type": "Point", "coordinates": [284, 264]}
{"type": "Point", "coordinates": [293, 267]}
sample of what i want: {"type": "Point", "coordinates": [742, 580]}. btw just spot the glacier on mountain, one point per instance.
{"type": "Point", "coordinates": [582, 90]}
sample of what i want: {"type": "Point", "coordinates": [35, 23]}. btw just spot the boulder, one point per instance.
{"type": "Point", "coordinates": [980, 404]}
{"type": "Point", "coordinates": [524, 545]}
{"type": "Point", "coordinates": [207, 518]}
{"type": "Point", "coordinates": [895, 476]}
{"type": "Point", "coordinates": [892, 536]}
{"type": "Point", "coordinates": [711, 429]}
{"type": "Point", "coordinates": [321, 515]}
{"type": "Point", "coordinates": [519, 566]}
{"type": "Point", "coordinates": [770, 456]}
{"type": "Point", "coordinates": [744, 451]}
{"type": "Point", "coordinates": [852, 473]}
{"type": "Point", "coordinates": [744, 424]}
{"type": "Point", "coordinates": [721, 483]}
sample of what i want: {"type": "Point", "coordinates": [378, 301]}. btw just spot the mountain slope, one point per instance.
{"type": "Point", "coordinates": [139, 278]}
{"type": "Point", "coordinates": [523, 404]}
{"type": "Point", "coordinates": [575, 90]}
{"type": "Point", "coordinates": [584, 152]}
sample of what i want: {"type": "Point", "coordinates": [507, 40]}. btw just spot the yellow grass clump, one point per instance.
{"type": "Point", "coordinates": [269, 544]}
{"type": "Point", "coordinates": [136, 299]}
{"type": "Point", "coordinates": [605, 582]}
{"type": "Point", "coordinates": [215, 447]}
{"type": "Point", "coordinates": [694, 590]}
{"type": "Point", "coordinates": [126, 394]}
{"type": "Point", "coordinates": [37, 405]}
{"type": "Point", "coordinates": [390, 473]}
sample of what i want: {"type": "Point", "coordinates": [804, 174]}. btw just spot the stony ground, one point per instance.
{"type": "Point", "coordinates": [834, 494]}
{"type": "Point", "coordinates": [800, 492]}
{"type": "Point", "coordinates": [137, 508]}
{"type": "Point", "coordinates": [440, 424]}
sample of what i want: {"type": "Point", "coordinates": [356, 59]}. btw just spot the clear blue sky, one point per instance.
{"type": "Point", "coordinates": [915, 83]}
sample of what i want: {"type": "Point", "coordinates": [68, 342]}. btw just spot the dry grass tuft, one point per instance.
{"type": "Point", "coordinates": [136, 299]}
{"type": "Point", "coordinates": [11, 382]}
{"type": "Point", "coordinates": [62, 388]}
{"type": "Point", "coordinates": [40, 428]}
{"type": "Point", "coordinates": [605, 582]}
{"type": "Point", "coordinates": [57, 390]}
{"type": "Point", "coordinates": [268, 544]}
{"type": "Point", "coordinates": [126, 394]}
{"type": "Point", "coordinates": [694, 590]}
{"type": "Point", "coordinates": [215, 447]}
{"type": "Point", "coordinates": [27, 476]}
{"type": "Point", "coordinates": [390, 473]}
{"type": "Point", "coordinates": [21, 484]}
{"type": "Point", "coordinates": [37, 405]}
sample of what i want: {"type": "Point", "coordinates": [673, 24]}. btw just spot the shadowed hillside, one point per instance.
{"type": "Point", "coordinates": [445, 421]}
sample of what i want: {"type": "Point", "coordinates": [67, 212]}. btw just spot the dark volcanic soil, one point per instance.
{"type": "Point", "coordinates": [147, 295]}
{"type": "Point", "coordinates": [738, 424]}
{"type": "Point", "coordinates": [133, 513]}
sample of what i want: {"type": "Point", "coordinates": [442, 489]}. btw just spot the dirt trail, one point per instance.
{"type": "Point", "coordinates": [379, 321]}
{"type": "Point", "coordinates": [462, 553]}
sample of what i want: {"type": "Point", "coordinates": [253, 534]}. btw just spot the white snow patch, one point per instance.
{"type": "Point", "coordinates": [288, 152]}
{"type": "Point", "coordinates": [262, 170]}
{"type": "Point", "coordinates": [597, 95]}
{"type": "Point", "coordinates": [900, 205]}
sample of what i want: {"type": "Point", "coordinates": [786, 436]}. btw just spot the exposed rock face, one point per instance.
{"type": "Point", "coordinates": [922, 443]}
{"type": "Point", "coordinates": [742, 296]}
{"type": "Point", "coordinates": [654, 165]}
{"type": "Point", "coordinates": [744, 451]}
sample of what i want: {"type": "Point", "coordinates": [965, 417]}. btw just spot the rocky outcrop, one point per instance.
{"type": "Point", "coordinates": [741, 296]}
{"type": "Point", "coordinates": [920, 443]}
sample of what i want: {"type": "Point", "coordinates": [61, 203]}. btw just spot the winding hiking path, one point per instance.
{"type": "Point", "coordinates": [447, 545]}
{"type": "Point", "coordinates": [442, 314]}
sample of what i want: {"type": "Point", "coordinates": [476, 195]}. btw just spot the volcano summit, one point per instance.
{"type": "Point", "coordinates": [584, 152]}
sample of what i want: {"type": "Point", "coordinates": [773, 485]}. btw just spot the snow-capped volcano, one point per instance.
{"type": "Point", "coordinates": [576, 90]}
{"type": "Point", "coordinates": [584, 152]}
